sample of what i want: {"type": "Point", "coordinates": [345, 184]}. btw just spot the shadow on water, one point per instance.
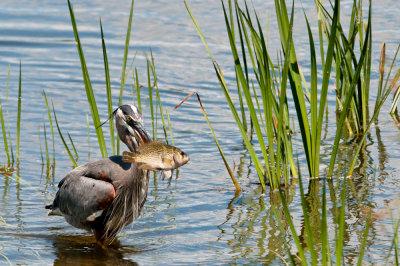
{"type": "Point", "coordinates": [83, 250]}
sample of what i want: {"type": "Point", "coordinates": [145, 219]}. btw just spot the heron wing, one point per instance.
{"type": "Point", "coordinates": [83, 198]}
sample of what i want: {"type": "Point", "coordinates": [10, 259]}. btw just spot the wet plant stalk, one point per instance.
{"type": "Point", "coordinates": [235, 183]}
{"type": "Point", "coordinates": [3, 128]}
{"type": "Point", "coordinates": [108, 89]}
{"type": "Point", "coordinates": [19, 112]}
{"type": "Point", "coordinates": [88, 87]}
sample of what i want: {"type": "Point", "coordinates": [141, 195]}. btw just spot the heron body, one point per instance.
{"type": "Point", "coordinates": [105, 195]}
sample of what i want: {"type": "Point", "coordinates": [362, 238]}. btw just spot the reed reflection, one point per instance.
{"type": "Point", "coordinates": [251, 228]}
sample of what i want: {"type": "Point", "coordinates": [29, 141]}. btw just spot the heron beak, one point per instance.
{"type": "Point", "coordinates": [140, 133]}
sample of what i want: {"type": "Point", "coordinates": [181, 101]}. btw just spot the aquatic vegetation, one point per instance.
{"type": "Point", "coordinates": [151, 74]}
{"type": "Point", "coordinates": [228, 168]}
{"type": "Point", "coordinates": [6, 142]}
{"type": "Point", "coordinates": [88, 87]}
{"type": "Point", "coordinates": [8, 147]}
{"type": "Point", "coordinates": [271, 121]}
{"type": "Point", "coordinates": [273, 117]}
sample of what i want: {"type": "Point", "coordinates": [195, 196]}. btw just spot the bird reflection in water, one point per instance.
{"type": "Point", "coordinates": [83, 250]}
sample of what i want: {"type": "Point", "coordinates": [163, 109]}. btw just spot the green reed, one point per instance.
{"type": "Point", "coordinates": [273, 113]}
{"type": "Point", "coordinates": [19, 111]}
{"type": "Point", "coordinates": [88, 87]}
{"type": "Point", "coordinates": [124, 76]}
{"type": "Point", "coordinates": [52, 133]}
{"type": "Point", "coordinates": [108, 89]}
{"type": "Point", "coordinates": [73, 160]}
{"type": "Point", "coordinates": [153, 124]}
{"type": "Point", "coordinates": [46, 147]}
{"type": "Point", "coordinates": [271, 125]}
{"type": "Point", "coordinates": [136, 82]}
{"type": "Point", "coordinates": [8, 147]}
{"type": "Point", "coordinates": [7, 142]}
{"type": "Point", "coordinates": [326, 255]}
{"type": "Point", "coordinates": [345, 63]}
{"type": "Point", "coordinates": [151, 73]}
{"type": "Point", "coordinates": [151, 64]}
{"type": "Point", "coordinates": [235, 183]}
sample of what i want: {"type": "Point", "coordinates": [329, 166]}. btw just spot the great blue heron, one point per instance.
{"type": "Point", "coordinates": [105, 195]}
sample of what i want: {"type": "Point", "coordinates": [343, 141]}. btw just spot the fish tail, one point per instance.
{"type": "Point", "coordinates": [128, 157]}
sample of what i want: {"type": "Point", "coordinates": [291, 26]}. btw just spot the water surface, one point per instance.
{"type": "Point", "coordinates": [196, 218]}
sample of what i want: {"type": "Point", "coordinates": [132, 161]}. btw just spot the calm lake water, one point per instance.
{"type": "Point", "coordinates": [195, 218]}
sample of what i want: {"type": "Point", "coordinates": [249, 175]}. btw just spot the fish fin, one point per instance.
{"type": "Point", "coordinates": [128, 157]}
{"type": "Point", "coordinates": [144, 166]}
{"type": "Point", "coordinates": [166, 174]}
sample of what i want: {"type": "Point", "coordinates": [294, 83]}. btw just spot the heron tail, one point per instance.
{"type": "Point", "coordinates": [128, 157]}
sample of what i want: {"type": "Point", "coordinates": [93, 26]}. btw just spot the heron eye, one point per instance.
{"type": "Point", "coordinates": [128, 118]}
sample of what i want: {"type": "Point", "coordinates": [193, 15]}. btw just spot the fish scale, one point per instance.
{"type": "Point", "coordinates": [157, 156]}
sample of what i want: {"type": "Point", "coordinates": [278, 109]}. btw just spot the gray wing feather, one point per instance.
{"type": "Point", "coordinates": [88, 189]}
{"type": "Point", "coordinates": [81, 197]}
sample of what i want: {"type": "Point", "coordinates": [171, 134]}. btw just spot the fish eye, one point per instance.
{"type": "Point", "coordinates": [182, 153]}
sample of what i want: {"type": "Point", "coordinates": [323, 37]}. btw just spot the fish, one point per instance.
{"type": "Point", "coordinates": [157, 156]}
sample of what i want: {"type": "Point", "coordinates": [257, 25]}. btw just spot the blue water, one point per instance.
{"type": "Point", "coordinates": [195, 218]}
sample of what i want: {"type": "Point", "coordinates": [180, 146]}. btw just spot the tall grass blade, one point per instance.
{"type": "Point", "coordinates": [235, 183]}
{"type": "Point", "coordinates": [198, 30]}
{"type": "Point", "coordinates": [62, 139]}
{"type": "Point", "coordinates": [249, 101]}
{"type": "Point", "coordinates": [19, 112]}
{"type": "Point", "coordinates": [295, 84]}
{"type": "Point", "coordinates": [51, 126]}
{"type": "Point", "coordinates": [73, 147]}
{"type": "Point", "coordinates": [7, 118]}
{"type": "Point", "coordinates": [151, 101]}
{"type": "Point", "coordinates": [382, 61]}
{"type": "Point", "coordinates": [259, 168]}
{"type": "Point", "coordinates": [136, 80]}
{"type": "Point", "coordinates": [153, 70]}
{"type": "Point", "coordinates": [170, 128]}
{"type": "Point", "coordinates": [127, 39]}
{"type": "Point", "coordinates": [108, 88]}
{"type": "Point", "coordinates": [349, 98]}
{"type": "Point", "coordinates": [380, 101]}
{"type": "Point", "coordinates": [325, 82]}
{"type": "Point", "coordinates": [123, 71]}
{"type": "Point", "coordinates": [3, 128]}
{"type": "Point", "coordinates": [46, 146]}
{"type": "Point", "coordinates": [88, 87]}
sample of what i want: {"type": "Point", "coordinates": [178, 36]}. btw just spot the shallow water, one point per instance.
{"type": "Point", "coordinates": [196, 218]}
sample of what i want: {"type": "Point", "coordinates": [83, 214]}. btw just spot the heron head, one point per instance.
{"type": "Point", "coordinates": [129, 123]}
